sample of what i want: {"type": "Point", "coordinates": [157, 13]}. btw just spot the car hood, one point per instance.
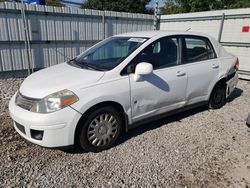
{"type": "Point", "coordinates": [56, 78]}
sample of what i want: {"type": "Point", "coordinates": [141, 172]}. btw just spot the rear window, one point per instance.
{"type": "Point", "coordinates": [198, 49]}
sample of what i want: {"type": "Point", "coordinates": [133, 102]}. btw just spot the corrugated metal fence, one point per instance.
{"type": "Point", "coordinates": [57, 34]}
{"type": "Point", "coordinates": [230, 27]}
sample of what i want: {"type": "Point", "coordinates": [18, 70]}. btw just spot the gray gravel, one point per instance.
{"type": "Point", "coordinates": [198, 148]}
{"type": "Point", "coordinates": [9, 84]}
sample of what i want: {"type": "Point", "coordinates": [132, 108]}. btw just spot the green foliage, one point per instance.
{"type": "Point", "coordinates": [136, 6]}
{"type": "Point", "coordinates": [55, 3]}
{"type": "Point", "coordinates": [184, 6]}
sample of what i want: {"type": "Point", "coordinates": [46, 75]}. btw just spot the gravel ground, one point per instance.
{"type": "Point", "coordinates": [198, 148]}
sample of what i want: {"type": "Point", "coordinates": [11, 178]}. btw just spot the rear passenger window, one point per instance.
{"type": "Point", "coordinates": [198, 49]}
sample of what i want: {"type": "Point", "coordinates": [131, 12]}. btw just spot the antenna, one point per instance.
{"type": "Point", "coordinates": [188, 29]}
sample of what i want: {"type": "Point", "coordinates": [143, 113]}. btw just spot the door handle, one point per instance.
{"type": "Point", "coordinates": [215, 66]}
{"type": "Point", "coordinates": [180, 73]}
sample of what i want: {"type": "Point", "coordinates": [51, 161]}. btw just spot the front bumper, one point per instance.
{"type": "Point", "coordinates": [57, 128]}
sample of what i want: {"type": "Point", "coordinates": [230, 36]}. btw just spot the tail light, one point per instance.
{"type": "Point", "coordinates": [237, 64]}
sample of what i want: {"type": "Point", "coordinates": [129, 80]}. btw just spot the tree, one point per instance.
{"type": "Point", "coordinates": [55, 3]}
{"type": "Point", "coordinates": [184, 6]}
{"type": "Point", "coordinates": [230, 4]}
{"type": "Point", "coordinates": [136, 6]}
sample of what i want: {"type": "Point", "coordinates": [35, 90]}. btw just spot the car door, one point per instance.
{"type": "Point", "coordinates": [202, 67]}
{"type": "Point", "coordinates": [165, 88]}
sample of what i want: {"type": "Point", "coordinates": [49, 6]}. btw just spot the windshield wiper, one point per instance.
{"type": "Point", "coordinates": [81, 64]}
{"type": "Point", "coordinates": [91, 66]}
{"type": "Point", "coordinates": [85, 65]}
{"type": "Point", "coordinates": [73, 63]}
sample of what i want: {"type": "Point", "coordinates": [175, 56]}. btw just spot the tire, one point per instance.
{"type": "Point", "coordinates": [100, 129]}
{"type": "Point", "coordinates": [217, 98]}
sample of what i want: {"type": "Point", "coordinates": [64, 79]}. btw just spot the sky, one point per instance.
{"type": "Point", "coordinates": [75, 2]}
{"type": "Point", "coordinates": [161, 3]}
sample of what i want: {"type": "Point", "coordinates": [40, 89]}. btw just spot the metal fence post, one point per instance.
{"type": "Point", "coordinates": [158, 22]}
{"type": "Point", "coordinates": [103, 23]}
{"type": "Point", "coordinates": [26, 38]}
{"type": "Point", "coordinates": [155, 15]}
{"type": "Point", "coordinates": [221, 27]}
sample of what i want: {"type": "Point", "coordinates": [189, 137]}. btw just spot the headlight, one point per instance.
{"type": "Point", "coordinates": [51, 103]}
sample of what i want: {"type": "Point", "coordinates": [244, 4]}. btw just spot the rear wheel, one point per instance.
{"type": "Point", "coordinates": [100, 129]}
{"type": "Point", "coordinates": [218, 97]}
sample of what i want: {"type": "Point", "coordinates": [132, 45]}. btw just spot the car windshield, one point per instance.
{"type": "Point", "coordinates": [107, 54]}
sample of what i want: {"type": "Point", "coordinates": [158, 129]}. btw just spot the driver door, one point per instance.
{"type": "Point", "coordinates": [165, 88]}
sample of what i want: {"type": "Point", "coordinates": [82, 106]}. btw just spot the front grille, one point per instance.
{"type": "Point", "coordinates": [20, 127]}
{"type": "Point", "coordinates": [24, 102]}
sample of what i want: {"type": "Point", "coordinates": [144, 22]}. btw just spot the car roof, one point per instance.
{"type": "Point", "coordinates": [161, 33]}
{"type": "Point", "coordinates": [150, 34]}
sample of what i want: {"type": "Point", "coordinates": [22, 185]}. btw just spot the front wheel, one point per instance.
{"type": "Point", "coordinates": [101, 129]}
{"type": "Point", "coordinates": [217, 98]}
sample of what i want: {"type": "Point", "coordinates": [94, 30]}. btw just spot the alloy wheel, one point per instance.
{"type": "Point", "coordinates": [102, 130]}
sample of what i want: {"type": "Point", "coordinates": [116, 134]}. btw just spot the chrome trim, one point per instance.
{"type": "Point", "coordinates": [25, 102]}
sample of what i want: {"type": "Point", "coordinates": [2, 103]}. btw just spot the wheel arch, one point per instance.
{"type": "Point", "coordinates": [114, 104]}
{"type": "Point", "coordinates": [222, 83]}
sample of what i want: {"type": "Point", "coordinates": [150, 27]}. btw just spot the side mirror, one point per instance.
{"type": "Point", "coordinates": [142, 69]}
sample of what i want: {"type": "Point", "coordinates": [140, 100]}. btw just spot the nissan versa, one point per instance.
{"type": "Point", "coordinates": [119, 83]}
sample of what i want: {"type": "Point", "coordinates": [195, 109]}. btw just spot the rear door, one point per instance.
{"type": "Point", "coordinates": [202, 67]}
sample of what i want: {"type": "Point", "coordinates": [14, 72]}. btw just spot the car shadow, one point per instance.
{"type": "Point", "coordinates": [169, 119]}
{"type": "Point", "coordinates": [157, 82]}
{"type": "Point", "coordinates": [149, 126]}
{"type": "Point", "coordinates": [235, 94]}
{"type": "Point", "coordinates": [143, 128]}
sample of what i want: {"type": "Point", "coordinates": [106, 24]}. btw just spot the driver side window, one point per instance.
{"type": "Point", "coordinates": [162, 53]}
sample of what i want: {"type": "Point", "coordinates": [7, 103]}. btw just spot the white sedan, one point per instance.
{"type": "Point", "coordinates": [119, 83]}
